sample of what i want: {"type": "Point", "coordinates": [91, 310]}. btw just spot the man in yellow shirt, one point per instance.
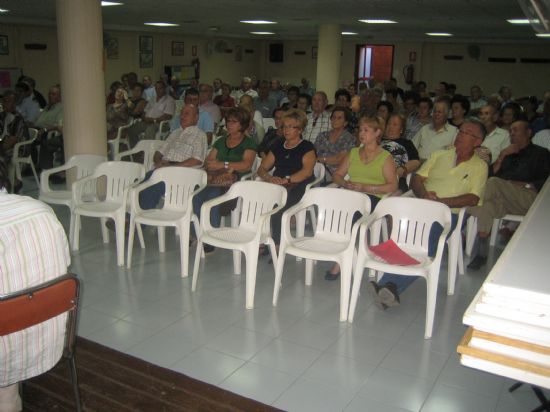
{"type": "Point", "coordinates": [455, 177]}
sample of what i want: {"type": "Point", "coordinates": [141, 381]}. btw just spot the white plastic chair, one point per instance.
{"type": "Point", "coordinates": [319, 173]}
{"type": "Point", "coordinates": [19, 159]}
{"type": "Point", "coordinates": [260, 200]}
{"type": "Point", "coordinates": [412, 220]}
{"type": "Point", "coordinates": [119, 177]}
{"type": "Point", "coordinates": [181, 184]}
{"type": "Point", "coordinates": [163, 131]}
{"type": "Point", "coordinates": [148, 147]}
{"type": "Point", "coordinates": [85, 165]}
{"type": "Point", "coordinates": [333, 239]}
{"type": "Point", "coordinates": [471, 231]}
{"type": "Point", "coordinates": [114, 144]}
{"type": "Point", "coordinates": [268, 122]}
{"type": "Point", "coordinates": [455, 253]}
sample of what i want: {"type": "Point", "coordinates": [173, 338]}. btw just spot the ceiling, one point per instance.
{"type": "Point", "coordinates": [467, 20]}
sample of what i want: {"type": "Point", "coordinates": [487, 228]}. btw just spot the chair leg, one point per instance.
{"type": "Point", "coordinates": [460, 256]}
{"type": "Point", "coordinates": [251, 256]}
{"type": "Point", "coordinates": [300, 226]}
{"type": "Point", "coordinates": [357, 278]}
{"type": "Point", "coordinates": [471, 233]}
{"type": "Point", "coordinates": [494, 231]}
{"type": "Point", "coordinates": [130, 241]}
{"type": "Point", "coordinates": [345, 283]}
{"type": "Point", "coordinates": [453, 245]}
{"type": "Point", "coordinates": [76, 231]}
{"type": "Point", "coordinates": [104, 230]}
{"type": "Point", "coordinates": [184, 250]}
{"type": "Point", "coordinates": [74, 379]}
{"type": "Point", "coordinates": [120, 222]}
{"type": "Point", "coordinates": [309, 272]}
{"type": "Point", "coordinates": [161, 231]}
{"type": "Point", "coordinates": [34, 173]}
{"type": "Point", "coordinates": [196, 266]}
{"type": "Point", "coordinates": [431, 288]}
{"type": "Point", "coordinates": [236, 262]}
{"type": "Point", "coordinates": [278, 274]}
{"type": "Point", "coordinates": [140, 236]}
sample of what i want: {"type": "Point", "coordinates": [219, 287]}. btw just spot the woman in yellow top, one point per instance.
{"type": "Point", "coordinates": [370, 168]}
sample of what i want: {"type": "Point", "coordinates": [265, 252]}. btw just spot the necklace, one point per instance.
{"type": "Point", "coordinates": [293, 146]}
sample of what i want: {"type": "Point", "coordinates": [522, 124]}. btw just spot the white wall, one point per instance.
{"type": "Point", "coordinates": [429, 66]}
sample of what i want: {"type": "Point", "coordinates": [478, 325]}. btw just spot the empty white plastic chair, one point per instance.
{"type": "Point", "coordinates": [412, 220]}
{"type": "Point", "coordinates": [114, 144]}
{"type": "Point", "coordinates": [148, 147]}
{"type": "Point", "coordinates": [119, 177]}
{"type": "Point", "coordinates": [181, 184]}
{"type": "Point", "coordinates": [259, 201]}
{"type": "Point", "coordinates": [84, 165]}
{"type": "Point", "coordinates": [471, 231]}
{"type": "Point", "coordinates": [333, 239]}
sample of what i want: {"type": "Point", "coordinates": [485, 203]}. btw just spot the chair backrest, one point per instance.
{"type": "Point", "coordinates": [85, 164]}
{"type": "Point", "coordinates": [119, 176]}
{"type": "Point", "coordinates": [412, 219]}
{"type": "Point", "coordinates": [257, 198]}
{"type": "Point", "coordinates": [268, 122]}
{"type": "Point", "coordinates": [148, 147]}
{"type": "Point", "coordinates": [164, 130]}
{"type": "Point", "coordinates": [319, 173]}
{"type": "Point", "coordinates": [335, 210]}
{"type": "Point", "coordinates": [33, 133]}
{"type": "Point", "coordinates": [542, 139]}
{"type": "Point", "coordinates": [180, 183]}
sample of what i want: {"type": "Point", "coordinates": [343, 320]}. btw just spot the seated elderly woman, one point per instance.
{"type": "Point", "coordinates": [370, 168]}
{"type": "Point", "coordinates": [117, 113]}
{"type": "Point", "coordinates": [137, 102]}
{"type": "Point", "coordinates": [333, 145]}
{"type": "Point", "coordinates": [403, 151]}
{"type": "Point", "coordinates": [231, 156]}
{"type": "Point", "coordinates": [294, 160]}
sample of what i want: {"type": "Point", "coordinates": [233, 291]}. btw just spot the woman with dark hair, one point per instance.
{"type": "Point", "coordinates": [509, 113]}
{"type": "Point", "coordinates": [137, 103]}
{"type": "Point", "coordinates": [460, 107]}
{"type": "Point", "coordinates": [384, 109]}
{"type": "Point", "coordinates": [231, 156]}
{"type": "Point", "coordinates": [117, 113]}
{"type": "Point", "coordinates": [291, 99]}
{"type": "Point", "coordinates": [294, 160]}
{"type": "Point", "coordinates": [273, 134]}
{"type": "Point", "coordinates": [333, 145]}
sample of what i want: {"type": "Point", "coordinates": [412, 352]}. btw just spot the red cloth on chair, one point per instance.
{"type": "Point", "coordinates": [393, 254]}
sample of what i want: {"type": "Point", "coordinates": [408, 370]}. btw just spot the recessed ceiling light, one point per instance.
{"type": "Point", "coordinates": [523, 21]}
{"type": "Point", "coordinates": [349, 33]}
{"type": "Point", "coordinates": [261, 32]}
{"type": "Point", "coordinates": [3, 11]}
{"type": "Point", "coordinates": [439, 34]}
{"type": "Point", "coordinates": [160, 24]}
{"type": "Point", "coordinates": [543, 35]}
{"type": "Point", "coordinates": [111, 3]}
{"type": "Point", "coordinates": [377, 21]}
{"type": "Point", "coordinates": [258, 22]}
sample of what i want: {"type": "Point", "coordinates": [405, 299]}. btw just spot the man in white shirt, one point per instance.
{"type": "Point", "coordinates": [206, 92]}
{"type": "Point", "coordinates": [438, 134]}
{"type": "Point", "coordinates": [27, 105]}
{"type": "Point", "coordinates": [246, 88]}
{"type": "Point", "coordinates": [149, 92]}
{"type": "Point", "coordinates": [476, 100]}
{"type": "Point", "coordinates": [161, 108]}
{"type": "Point", "coordinates": [497, 139]}
{"type": "Point", "coordinates": [319, 119]}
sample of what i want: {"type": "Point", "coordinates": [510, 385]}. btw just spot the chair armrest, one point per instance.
{"type": "Point", "coordinates": [77, 187]}
{"type": "Point", "coordinates": [19, 145]}
{"type": "Point", "coordinates": [128, 153]}
{"type": "Point", "coordinates": [208, 205]}
{"type": "Point", "coordinates": [135, 189]}
{"type": "Point", "coordinates": [291, 211]}
{"type": "Point", "coordinates": [45, 176]}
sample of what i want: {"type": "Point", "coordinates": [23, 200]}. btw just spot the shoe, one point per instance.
{"type": "Point", "coordinates": [477, 262]}
{"type": "Point", "coordinates": [208, 249]}
{"type": "Point", "coordinates": [110, 224]}
{"type": "Point", "coordinates": [331, 276]}
{"type": "Point", "coordinates": [373, 288]}
{"type": "Point", "coordinates": [388, 295]}
{"type": "Point", "coordinates": [263, 251]}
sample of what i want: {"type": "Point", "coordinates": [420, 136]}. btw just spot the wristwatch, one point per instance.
{"type": "Point", "coordinates": [287, 179]}
{"type": "Point", "coordinates": [528, 186]}
{"type": "Point", "coordinates": [226, 165]}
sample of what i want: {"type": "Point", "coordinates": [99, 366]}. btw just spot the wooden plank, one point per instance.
{"type": "Point", "coordinates": [516, 343]}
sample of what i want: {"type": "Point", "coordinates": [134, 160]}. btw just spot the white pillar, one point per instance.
{"type": "Point", "coordinates": [80, 40]}
{"type": "Point", "coordinates": [329, 49]}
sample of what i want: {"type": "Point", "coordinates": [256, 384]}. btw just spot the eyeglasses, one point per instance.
{"type": "Point", "coordinates": [469, 134]}
{"type": "Point", "coordinates": [290, 127]}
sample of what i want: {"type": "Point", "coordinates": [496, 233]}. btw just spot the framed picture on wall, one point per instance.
{"type": "Point", "coordinates": [178, 48]}
{"type": "Point", "coordinates": [111, 47]}
{"type": "Point", "coordinates": [4, 47]}
{"type": "Point", "coordinates": [145, 60]}
{"type": "Point", "coordinates": [146, 44]}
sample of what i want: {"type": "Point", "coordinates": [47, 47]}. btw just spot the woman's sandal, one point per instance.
{"type": "Point", "coordinates": [331, 276]}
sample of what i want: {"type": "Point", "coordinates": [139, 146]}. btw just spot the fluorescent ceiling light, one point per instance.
{"type": "Point", "coordinates": [160, 24]}
{"type": "Point", "coordinates": [522, 21]}
{"type": "Point", "coordinates": [440, 34]}
{"type": "Point", "coordinates": [349, 33]}
{"type": "Point", "coordinates": [377, 21]}
{"type": "Point", "coordinates": [3, 11]}
{"type": "Point", "coordinates": [258, 22]}
{"type": "Point", "coordinates": [543, 35]}
{"type": "Point", "coordinates": [261, 32]}
{"type": "Point", "coordinates": [111, 3]}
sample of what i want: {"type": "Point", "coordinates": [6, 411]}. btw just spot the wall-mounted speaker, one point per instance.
{"type": "Point", "coordinates": [35, 46]}
{"type": "Point", "coordinates": [276, 52]}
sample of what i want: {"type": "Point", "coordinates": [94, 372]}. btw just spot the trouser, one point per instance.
{"type": "Point", "coordinates": [10, 401]}
{"type": "Point", "coordinates": [209, 192]}
{"type": "Point", "coordinates": [48, 147]}
{"type": "Point", "coordinates": [150, 197]}
{"type": "Point", "coordinates": [294, 196]}
{"type": "Point", "coordinates": [403, 282]}
{"type": "Point", "coordinates": [501, 197]}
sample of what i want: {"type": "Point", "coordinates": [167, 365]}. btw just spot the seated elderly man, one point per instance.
{"type": "Point", "coordinates": [206, 123]}
{"type": "Point", "coordinates": [33, 250]}
{"type": "Point", "coordinates": [518, 174]}
{"type": "Point", "coordinates": [438, 134]}
{"type": "Point", "coordinates": [160, 108]}
{"type": "Point", "coordinates": [455, 177]}
{"type": "Point", "coordinates": [185, 146]}
{"type": "Point", "coordinates": [319, 119]}
{"type": "Point", "coordinates": [246, 88]}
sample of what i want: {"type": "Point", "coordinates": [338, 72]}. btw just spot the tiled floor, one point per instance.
{"type": "Point", "coordinates": [295, 356]}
